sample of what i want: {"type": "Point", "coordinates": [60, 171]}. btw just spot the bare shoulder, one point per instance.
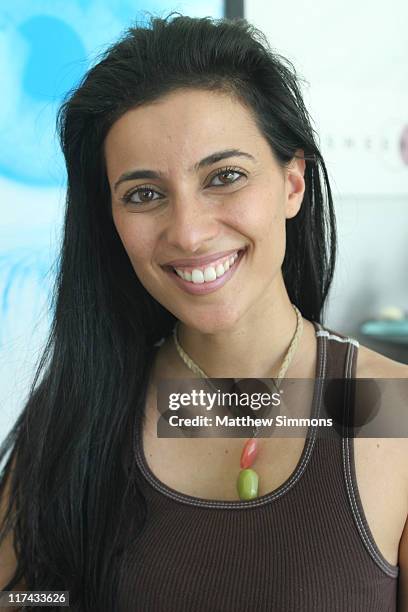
{"type": "Point", "coordinates": [383, 462]}
{"type": "Point", "coordinates": [371, 364]}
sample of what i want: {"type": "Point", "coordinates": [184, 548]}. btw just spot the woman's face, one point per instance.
{"type": "Point", "coordinates": [193, 179]}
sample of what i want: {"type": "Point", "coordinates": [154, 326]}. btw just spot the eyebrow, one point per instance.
{"type": "Point", "coordinates": [206, 161]}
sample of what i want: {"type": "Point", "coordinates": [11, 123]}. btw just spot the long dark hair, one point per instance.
{"type": "Point", "coordinates": [68, 489]}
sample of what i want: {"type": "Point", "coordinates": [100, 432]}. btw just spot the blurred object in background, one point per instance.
{"type": "Point", "coordinates": [392, 313]}
{"type": "Point", "coordinates": [46, 47]}
{"type": "Point", "coordinates": [390, 328]}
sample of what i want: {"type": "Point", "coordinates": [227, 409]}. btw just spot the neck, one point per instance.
{"type": "Point", "coordinates": [254, 348]}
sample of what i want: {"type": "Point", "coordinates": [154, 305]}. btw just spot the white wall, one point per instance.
{"type": "Point", "coordinates": [352, 59]}
{"type": "Point", "coordinates": [372, 265]}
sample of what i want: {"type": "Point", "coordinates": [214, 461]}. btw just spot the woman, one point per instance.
{"type": "Point", "coordinates": [197, 195]}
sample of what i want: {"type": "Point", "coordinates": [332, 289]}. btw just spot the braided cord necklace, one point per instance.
{"type": "Point", "coordinates": [248, 479]}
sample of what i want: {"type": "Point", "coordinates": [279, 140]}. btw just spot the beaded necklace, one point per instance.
{"type": "Point", "coordinates": [248, 479]}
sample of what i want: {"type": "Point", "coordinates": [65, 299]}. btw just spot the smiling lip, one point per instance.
{"type": "Point", "coordinates": [204, 288]}
{"type": "Point", "coordinates": [198, 262]}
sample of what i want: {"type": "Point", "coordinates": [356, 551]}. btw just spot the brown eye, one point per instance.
{"type": "Point", "coordinates": [227, 174]}
{"type": "Point", "coordinates": [141, 192]}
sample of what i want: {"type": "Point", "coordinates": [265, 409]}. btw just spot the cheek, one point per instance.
{"type": "Point", "coordinates": [137, 240]}
{"type": "Point", "coordinates": [264, 224]}
{"type": "Point", "coordinates": [260, 218]}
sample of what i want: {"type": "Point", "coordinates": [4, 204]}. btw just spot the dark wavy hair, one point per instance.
{"type": "Point", "coordinates": [68, 489]}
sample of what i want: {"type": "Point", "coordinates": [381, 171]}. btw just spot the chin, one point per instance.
{"type": "Point", "coordinates": [214, 322]}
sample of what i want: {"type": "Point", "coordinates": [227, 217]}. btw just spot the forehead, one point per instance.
{"type": "Point", "coordinates": [182, 127]}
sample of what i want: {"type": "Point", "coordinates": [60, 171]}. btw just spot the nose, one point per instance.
{"type": "Point", "coordinates": [192, 223]}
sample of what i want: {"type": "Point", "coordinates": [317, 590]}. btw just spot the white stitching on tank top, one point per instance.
{"type": "Point", "coordinates": [388, 568]}
{"type": "Point", "coordinates": [337, 338]}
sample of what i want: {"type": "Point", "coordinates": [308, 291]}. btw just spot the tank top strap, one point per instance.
{"type": "Point", "coordinates": [340, 352]}
{"type": "Point", "coordinates": [334, 466]}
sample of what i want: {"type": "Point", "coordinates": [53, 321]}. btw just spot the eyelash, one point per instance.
{"type": "Point", "coordinates": [126, 198]}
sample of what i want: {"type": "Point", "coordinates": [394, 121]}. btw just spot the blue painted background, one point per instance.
{"type": "Point", "coordinates": [45, 48]}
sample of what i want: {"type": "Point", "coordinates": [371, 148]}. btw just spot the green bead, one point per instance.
{"type": "Point", "coordinates": [247, 484]}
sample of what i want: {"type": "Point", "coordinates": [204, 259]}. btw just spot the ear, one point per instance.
{"type": "Point", "coordinates": [294, 184]}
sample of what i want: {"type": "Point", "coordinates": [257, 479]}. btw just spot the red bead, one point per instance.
{"type": "Point", "coordinates": [249, 453]}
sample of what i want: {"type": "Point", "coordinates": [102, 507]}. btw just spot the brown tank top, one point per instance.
{"type": "Point", "coordinates": [304, 547]}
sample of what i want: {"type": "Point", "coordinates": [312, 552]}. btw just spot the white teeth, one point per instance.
{"type": "Point", "coordinates": [219, 270]}
{"type": "Point", "coordinates": [209, 274]}
{"type": "Point", "coordinates": [197, 276]}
